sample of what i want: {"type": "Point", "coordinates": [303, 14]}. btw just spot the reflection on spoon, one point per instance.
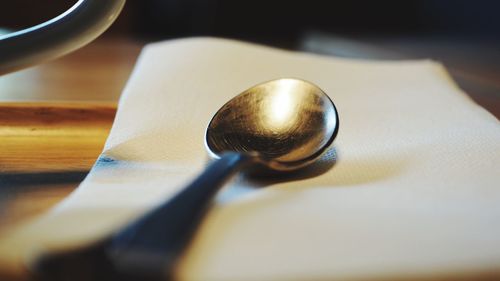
{"type": "Point", "coordinates": [281, 125]}
{"type": "Point", "coordinates": [284, 124]}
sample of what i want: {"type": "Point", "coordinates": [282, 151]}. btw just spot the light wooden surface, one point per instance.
{"type": "Point", "coordinates": [54, 120]}
{"type": "Point", "coordinates": [46, 151]}
{"type": "Point", "coordinates": [97, 72]}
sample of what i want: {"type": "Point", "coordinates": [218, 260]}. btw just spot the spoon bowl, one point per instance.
{"type": "Point", "coordinates": [284, 124]}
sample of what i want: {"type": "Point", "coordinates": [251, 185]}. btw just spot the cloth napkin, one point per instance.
{"type": "Point", "coordinates": [410, 190]}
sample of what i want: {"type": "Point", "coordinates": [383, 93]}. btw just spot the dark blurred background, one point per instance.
{"type": "Point", "coordinates": [463, 34]}
{"type": "Point", "coordinates": [281, 22]}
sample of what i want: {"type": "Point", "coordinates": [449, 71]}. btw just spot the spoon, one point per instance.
{"type": "Point", "coordinates": [281, 125]}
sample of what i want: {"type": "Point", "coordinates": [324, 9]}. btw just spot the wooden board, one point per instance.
{"type": "Point", "coordinates": [46, 149]}
{"type": "Point", "coordinates": [54, 120]}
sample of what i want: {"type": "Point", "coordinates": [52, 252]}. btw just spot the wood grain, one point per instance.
{"type": "Point", "coordinates": [54, 120]}
{"type": "Point", "coordinates": [47, 149]}
{"type": "Point", "coordinates": [46, 137]}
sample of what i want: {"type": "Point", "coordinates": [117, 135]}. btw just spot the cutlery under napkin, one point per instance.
{"type": "Point", "coordinates": [414, 191]}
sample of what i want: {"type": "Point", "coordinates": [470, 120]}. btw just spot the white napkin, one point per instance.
{"type": "Point", "coordinates": [414, 191]}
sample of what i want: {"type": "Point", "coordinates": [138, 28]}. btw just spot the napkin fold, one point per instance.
{"type": "Point", "coordinates": [413, 193]}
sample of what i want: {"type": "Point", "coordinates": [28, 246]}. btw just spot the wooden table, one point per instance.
{"type": "Point", "coordinates": [54, 120]}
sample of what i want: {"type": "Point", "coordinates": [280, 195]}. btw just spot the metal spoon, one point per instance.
{"type": "Point", "coordinates": [282, 125]}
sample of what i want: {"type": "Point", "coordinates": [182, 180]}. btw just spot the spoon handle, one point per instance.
{"type": "Point", "coordinates": [154, 242]}
{"type": "Point", "coordinates": [148, 248]}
